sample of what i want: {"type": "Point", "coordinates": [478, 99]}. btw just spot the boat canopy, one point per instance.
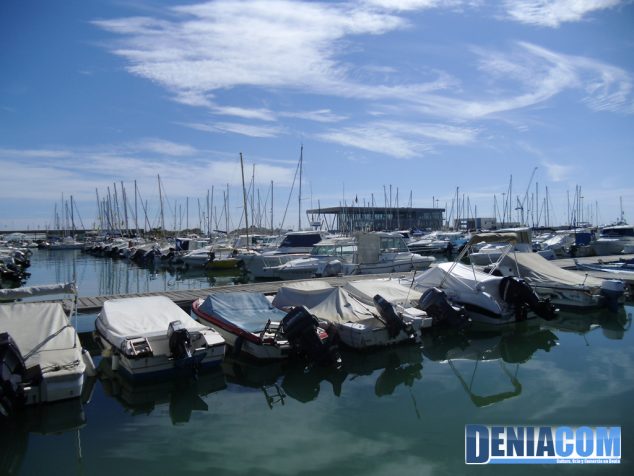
{"type": "Point", "coordinates": [44, 336]}
{"type": "Point", "coordinates": [538, 270]}
{"type": "Point", "coordinates": [509, 237]}
{"type": "Point", "coordinates": [332, 304]}
{"type": "Point", "coordinates": [391, 290]}
{"type": "Point", "coordinates": [32, 291]}
{"type": "Point", "coordinates": [246, 310]}
{"type": "Point", "coordinates": [142, 316]}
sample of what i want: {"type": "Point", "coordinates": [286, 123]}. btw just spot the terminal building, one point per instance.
{"type": "Point", "coordinates": [351, 219]}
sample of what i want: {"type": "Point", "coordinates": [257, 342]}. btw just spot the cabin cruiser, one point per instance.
{"type": "Point", "coordinates": [41, 357]}
{"type": "Point", "coordinates": [613, 240]}
{"type": "Point", "coordinates": [295, 244]}
{"type": "Point", "coordinates": [357, 324]}
{"type": "Point", "coordinates": [484, 251]}
{"type": "Point", "coordinates": [148, 336]}
{"type": "Point", "coordinates": [366, 253]}
{"type": "Point", "coordinates": [439, 242]}
{"type": "Point", "coordinates": [252, 326]}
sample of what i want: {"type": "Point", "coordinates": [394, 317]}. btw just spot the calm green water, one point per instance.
{"type": "Point", "coordinates": [400, 411]}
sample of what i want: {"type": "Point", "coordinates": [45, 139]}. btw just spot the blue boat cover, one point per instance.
{"type": "Point", "coordinates": [249, 311]}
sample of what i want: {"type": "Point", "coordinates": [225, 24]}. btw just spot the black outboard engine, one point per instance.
{"type": "Point", "coordinates": [300, 328]}
{"type": "Point", "coordinates": [436, 304]}
{"type": "Point", "coordinates": [391, 320]}
{"type": "Point", "coordinates": [12, 375]}
{"type": "Point", "coordinates": [516, 291]}
{"type": "Point", "coordinates": [180, 342]}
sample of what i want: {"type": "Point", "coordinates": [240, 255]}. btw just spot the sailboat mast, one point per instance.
{"type": "Point", "coordinates": [299, 197]}
{"type": "Point", "coordinates": [244, 199]}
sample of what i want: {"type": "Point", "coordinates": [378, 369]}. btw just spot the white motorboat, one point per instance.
{"type": "Point", "coordinates": [439, 242]}
{"type": "Point", "coordinates": [150, 336]}
{"type": "Point", "coordinates": [613, 240]}
{"type": "Point", "coordinates": [366, 253]}
{"type": "Point", "coordinates": [41, 357]}
{"type": "Point", "coordinates": [484, 251]}
{"type": "Point", "coordinates": [295, 244]}
{"type": "Point", "coordinates": [563, 288]}
{"type": "Point", "coordinates": [484, 298]}
{"type": "Point", "coordinates": [357, 324]}
{"type": "Point", "coordinates": [252, 326]}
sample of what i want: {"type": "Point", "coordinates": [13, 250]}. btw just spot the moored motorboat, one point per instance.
{"type": "Point", "coordinates": [252, 326]}
{"type": "Point", "coordinates": [149, 336]}
{"type": "Point", "coordinates": [358, 325]}
{"type": "Point", "coordinates": [41, 357]}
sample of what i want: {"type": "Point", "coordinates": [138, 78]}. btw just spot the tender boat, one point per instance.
{"type": "Point", "coordinates": [149, 336]}
{"type": "Point", "coordinates": [357, 325]}
{"type": "Point", "coordinates": [252, 326]}
{"type": "Point", "coordinates": [41, 357]}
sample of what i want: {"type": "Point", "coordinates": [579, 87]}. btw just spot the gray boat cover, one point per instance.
{"type": "Point", "coordinates": [248, 311]}
{"type": "Point", "coordinates": [332, 304]}
{"type": "Point", "coordinates": [146, 316]}
{"type": "Point", "coordinates": [43, 290]}
{"type": "Point", "coordinates": [43, 335]}
{"type": "Point", "coordinates": [391, 290]}
{"type": "Point", "coordinates": [538, 270]}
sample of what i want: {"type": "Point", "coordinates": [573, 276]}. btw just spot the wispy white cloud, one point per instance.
{"type": "Point", "coordinates": [163, 147]}
{"type": "Point", "coordinates": [557, 172]}
{"type": "Point", "coordinates": [404, 5]}
{"type": "Point", "coordinates": [238, 128]}
{"type": "Point", "coordinates": [399, 139]}
{"type": "Point", "coordinates": [320, 115]}
{"type": "Point", "coordinates": [552, 13]}
{"type": "Point", "coordinates": [260, 114]}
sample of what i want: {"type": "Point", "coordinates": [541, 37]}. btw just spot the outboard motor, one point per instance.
{"type": "Point", "coordinates": [388, 316]}
{"type": "Point", "coordinates": [612, 290]}
{"type": "Point", "coordinates": [12, 375]}
{"type": "Point", "coordinates": [436, 304]}
{"type": "Point", "coordinates": [300, 328]}
{"type": "Point", "coordinates": [516, 291]}
{"type": "Point", "coordinates": [180, 342]}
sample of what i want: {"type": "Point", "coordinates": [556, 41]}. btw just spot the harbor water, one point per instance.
{"type": "Point", "coordinates": [399, 411]}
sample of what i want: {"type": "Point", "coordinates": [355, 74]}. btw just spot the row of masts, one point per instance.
{"type": "Point", "coordinates": [121, 213]}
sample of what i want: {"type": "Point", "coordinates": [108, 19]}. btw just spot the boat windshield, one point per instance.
{"type": "Point", "coordinates": [333, 250]}
{"type": "Point", "coordinates": [393, 244]}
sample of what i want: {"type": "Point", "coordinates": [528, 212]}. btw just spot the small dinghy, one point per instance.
{"type": "Point", "coordinates": [146, 336]}
{"type": "Point", "coordinates": [41, 357]}
{"type": "Point", "coordinates": [251, 325]}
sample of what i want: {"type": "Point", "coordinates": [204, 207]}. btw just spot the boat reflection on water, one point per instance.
{"type": "Point", "coordinates": [55, 418]}
{"type": "Point", "coordinates": [515, 345]}
{"type": "Point", "coordinates": [613, 325]}
{"type": "Point", "coordinates": [399, 365]}
{"type": "Point", "coordinates": [182, 395]}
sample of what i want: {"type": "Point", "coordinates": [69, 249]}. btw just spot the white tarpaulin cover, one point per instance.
{"type": "Point", "coordinates": [43, 330]}
{"type": "Point", "coordinates": [142, 317]}
{"type": "Point", "coordinates": [391, 290]}
{"type": "Point", "coordinates": [462, 278]}
{"type": "Point", "coordinates": [538, 270]}
{"type": "Point", "coordinates": [325, 302]}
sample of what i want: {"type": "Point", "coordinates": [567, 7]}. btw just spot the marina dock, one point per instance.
{"type": "Point", "coordinates": [184, 298]}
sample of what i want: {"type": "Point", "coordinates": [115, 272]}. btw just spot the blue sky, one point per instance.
{"type": "Point", "coordinates": [423, 96]}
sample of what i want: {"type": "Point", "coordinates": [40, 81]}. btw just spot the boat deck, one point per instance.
{"type": "Point", "coordinates": [569, 264]}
